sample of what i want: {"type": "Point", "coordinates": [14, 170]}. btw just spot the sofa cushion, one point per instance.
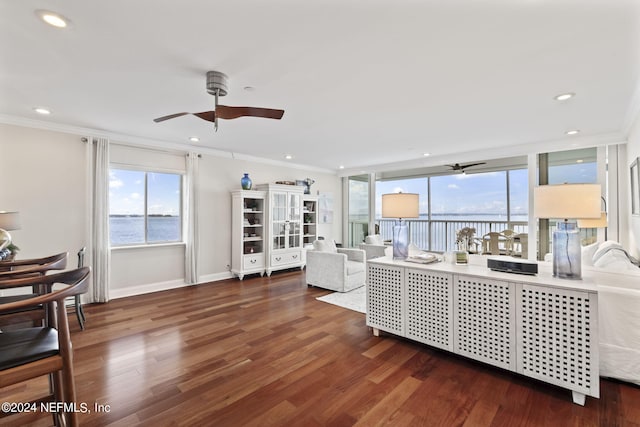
{"type": "Point", "coordinates": [604, 248]}
{"type": "Point", "coordinates": [588, 252]}
{"type": "Point", "coordinates": [325, 246]}
{"type": "Point", "coordinates": [354, 267]}
{"type": "Point", "coordinates": [374, 239]}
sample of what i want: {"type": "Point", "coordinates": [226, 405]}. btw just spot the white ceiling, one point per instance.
{"type": "Point", "coordinates": [370, 85]}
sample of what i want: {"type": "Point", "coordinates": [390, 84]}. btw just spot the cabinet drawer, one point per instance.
{"type": "Point", "coordinates": [286, 258]}
{"type": "Point", "coordinates": [253, 261]}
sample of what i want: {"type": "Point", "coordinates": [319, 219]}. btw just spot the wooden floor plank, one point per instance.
{"type": "Point", "coordinates": [264, 351]}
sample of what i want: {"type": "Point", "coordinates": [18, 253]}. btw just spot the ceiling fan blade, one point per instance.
{"type": "Point", "coordinates": [209, 116]}
{"type": "Point", "coordinates": [170, 116]}
{"type": "Point", "coordinates": [228, 113]}
{"type": "Point", "coordinates": [472, 164]}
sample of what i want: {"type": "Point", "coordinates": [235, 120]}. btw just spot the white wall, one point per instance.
{"type": "Point", "coordinates": [45, 178]}
{"type": "Point", "coordinates": [633, 152]}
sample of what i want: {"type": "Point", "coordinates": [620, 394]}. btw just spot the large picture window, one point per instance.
{"type": "Point", "coordinates": [144, 207]}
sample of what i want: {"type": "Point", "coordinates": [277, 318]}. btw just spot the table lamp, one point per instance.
{"type": "Point", "coordinates": [400, 205]}
{"type": "Point", "coordinates": [567, 202]}
{"type": "Point", "coordinates": [8, 221]}
{"type": "Point", "coordinates": [600, 222]}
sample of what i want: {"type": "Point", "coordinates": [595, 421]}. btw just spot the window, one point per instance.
{"type": "Point", "coordinates": [144, 207]}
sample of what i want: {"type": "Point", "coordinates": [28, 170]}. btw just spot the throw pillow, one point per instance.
{"type": "Point", "coordinates": [325, 246]}
{"type": "Point", "coordinates": [588, 252]}
{"type": "Point", "coordinates": [374, 239]}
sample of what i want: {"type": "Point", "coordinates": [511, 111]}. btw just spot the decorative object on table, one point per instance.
{"type": "Point", "coordinates": [567, 201]}
{"type": "Point", "coordinates": [400, 205]}
{"type": "Point", "coordinates": [9, 221]}
{"type": "Point", "coordinates": [600, 222]}
{"type": "Point", "coordinates": [218, 85]}
{"type": "Point", "coordinates": [635, 187]}
{"type": "Point", "coordinates": [246, 182]}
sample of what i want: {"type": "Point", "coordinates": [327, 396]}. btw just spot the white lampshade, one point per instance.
{"type": "Point", "coordinates": [400, 205]}
{"type": "Point", "coordinates": [567, 201]}
{"type": "Point", "coordinates": [594, 223]}
{"type": "Point", "coordinates": [9, 220]}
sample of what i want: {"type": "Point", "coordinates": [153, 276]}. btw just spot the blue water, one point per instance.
{"type": "Point", "coordinates": [130, 230]}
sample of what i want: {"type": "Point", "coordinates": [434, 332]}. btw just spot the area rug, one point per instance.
{"type": "Point", "coordinates": [355, 300]}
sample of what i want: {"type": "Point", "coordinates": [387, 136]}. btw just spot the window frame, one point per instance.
{"type": "Point", "coordinates": [147, 171]}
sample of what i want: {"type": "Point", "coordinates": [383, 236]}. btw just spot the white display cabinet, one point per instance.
{"type": "Point", "coordinates": [284, 230]}
{"type": "Point", "coordinates": [248, 233]}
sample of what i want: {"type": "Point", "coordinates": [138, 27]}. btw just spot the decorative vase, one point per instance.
{"type": "Point", "coordinates": [246, 182]}
{"type": "Point", "coordinates": [567, 263]}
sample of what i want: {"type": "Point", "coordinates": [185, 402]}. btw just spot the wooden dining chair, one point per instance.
{"type": "Point", "coordinates": [35, 267]}
{"type": "Point", "coordinates": [77, 302]}
{"type": "Point", "coordinates": [44, 350]}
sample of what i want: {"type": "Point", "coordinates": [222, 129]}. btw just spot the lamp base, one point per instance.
{"type": "Point", "coordinates": [400, 240]}
{"type": "Point", "coordinates": [567, 253]}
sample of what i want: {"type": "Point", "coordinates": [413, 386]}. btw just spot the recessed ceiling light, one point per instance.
{"type": "Point", "coordinates": [564, 96]}
{"type": "Point", "coordinates": [579, 161]}
{"type": "Point", "coordinates": [341, 167]}
{"type": "Point", "coordinates": [572, 132]}
{"type": "Point", "coordinates": [426, 154]}
{"type": "Point", "coordinates": [41, 110]}
{"type": "Point", "coordinates": [53, 19]}
{"type": "Point", "coordinates": [194, 139]}
{"type": "Point", "coordinates": [249, 88]}
{"type": "Point", "coordinates": [288, 157]}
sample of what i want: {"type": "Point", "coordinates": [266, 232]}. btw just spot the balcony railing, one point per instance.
{"type": "Point", "coordinates": [440, 235]}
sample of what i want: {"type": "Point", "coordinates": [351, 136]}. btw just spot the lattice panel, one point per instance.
{"type": "Point", "coordinates": [384, 298]}
{"type": "Point", "coordinates": [430, 308]}
{"type": "Point", "coordinates": [556, 336]}
{"type": "Point", "coordinates": [484, 320]}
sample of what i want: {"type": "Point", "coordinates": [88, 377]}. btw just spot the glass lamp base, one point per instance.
{"type": "Point", "coordinates": [400, 241]}
{"type": "Point", "coordinates": [567, 260]}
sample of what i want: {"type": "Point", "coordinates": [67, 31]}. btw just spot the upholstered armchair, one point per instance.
{"type": "Point", "coordinates": [337, 269]}
{"type": "Point", "coordinates": [373, 246]}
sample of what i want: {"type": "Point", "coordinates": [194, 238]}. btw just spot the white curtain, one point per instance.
{"type": "Point", "coordinates": [101, 253]}
{"type": "Point", "coordinates": [191, 219]}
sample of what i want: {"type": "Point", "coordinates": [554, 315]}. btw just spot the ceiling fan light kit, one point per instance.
{"type": "Point", "coordinates": [218, 85]}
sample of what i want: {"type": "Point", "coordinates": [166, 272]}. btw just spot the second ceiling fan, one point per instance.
{"type": "Point", "coordinates": [457, 167]}
{"type": "Point", "coordinates": [217, 85]}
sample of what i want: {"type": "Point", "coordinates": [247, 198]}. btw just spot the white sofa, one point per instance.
{"type": "Point", "coordinates": [336, 269]}
{"type": "Point", "coordinates": [618, 309]}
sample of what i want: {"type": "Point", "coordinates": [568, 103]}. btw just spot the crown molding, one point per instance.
{"type": "Point", "coordinates": [138, 141]}
{"type": "Point", "coordinates": [548, 146]}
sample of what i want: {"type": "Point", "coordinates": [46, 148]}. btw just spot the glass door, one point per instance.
{"type": "Point", "coordinates": [294, 221]}
{"type": "Point", "coordinates": [279, 220]}
{"type": "Point", "coordinates": [358, 224]}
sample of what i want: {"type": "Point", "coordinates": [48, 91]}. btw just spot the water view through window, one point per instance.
{"type": "Point", "coordinates": [144, 207]}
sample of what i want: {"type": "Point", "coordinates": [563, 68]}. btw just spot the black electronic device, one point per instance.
{"type": "Point", "coordinates": [511, 265]}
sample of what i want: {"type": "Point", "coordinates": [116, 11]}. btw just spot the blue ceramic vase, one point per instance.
{"type": "Point", "coordinates": [245, 181]}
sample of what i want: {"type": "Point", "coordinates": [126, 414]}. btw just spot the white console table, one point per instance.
{"type": "Point", "coordinates": [538, 326]}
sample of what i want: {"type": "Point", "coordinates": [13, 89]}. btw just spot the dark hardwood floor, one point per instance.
{"type": "Point", "coordinates": [264, 352]}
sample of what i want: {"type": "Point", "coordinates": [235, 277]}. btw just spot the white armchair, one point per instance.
{"type": "Point", "coordinates": [337, 269]}
{"type": "Point", "coordinates": [373, 246]}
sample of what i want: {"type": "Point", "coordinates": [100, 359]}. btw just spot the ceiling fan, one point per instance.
{"type": "Point", "coordinates": [217, 85]}
{"type": "Point", "coordinates": [461, 168]}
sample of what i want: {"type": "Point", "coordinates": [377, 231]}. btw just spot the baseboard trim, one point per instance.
{"type": "Point", "coordinates": [164, 286]}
